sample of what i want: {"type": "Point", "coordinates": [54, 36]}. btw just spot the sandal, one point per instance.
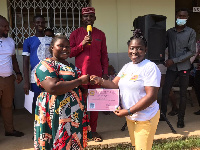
{"type": "Point", "coordinates": [96, 137]}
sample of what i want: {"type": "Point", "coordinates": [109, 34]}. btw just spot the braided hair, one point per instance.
{"type": "Point", "coordinates": [137, 34]}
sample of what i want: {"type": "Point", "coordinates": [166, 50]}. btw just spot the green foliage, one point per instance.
{"type": "Point", "coordinates": [181, 143]}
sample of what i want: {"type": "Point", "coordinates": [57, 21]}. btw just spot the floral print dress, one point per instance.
{"type": "Point", "coordinates": [61, 121]}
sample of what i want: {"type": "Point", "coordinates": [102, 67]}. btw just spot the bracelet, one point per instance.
{"type": "Point", "coordinates": [18, 73]}
{"type": "Point", "coordinates": [102, 81]}
{"type": "Point", "coordinates": [129, 112]}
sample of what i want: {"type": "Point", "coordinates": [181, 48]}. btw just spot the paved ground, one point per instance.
{"type": "Point", "coordinates": [108, 126]}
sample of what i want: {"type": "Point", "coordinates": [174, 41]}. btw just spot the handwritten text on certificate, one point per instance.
{"type": "Point", "coordinates": [102, 99]}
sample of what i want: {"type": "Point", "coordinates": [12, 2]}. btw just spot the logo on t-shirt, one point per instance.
{"type": "Point", "coordinates": [123, 75]}
{"type": "Point", "coordinates": [134, 77]}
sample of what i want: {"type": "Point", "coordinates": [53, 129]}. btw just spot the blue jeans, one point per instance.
{"type": "Point", "coordinates": [183, 84]}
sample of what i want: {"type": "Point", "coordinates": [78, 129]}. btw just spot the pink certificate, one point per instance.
{"type": "Point", "coordinates": [102, 99]}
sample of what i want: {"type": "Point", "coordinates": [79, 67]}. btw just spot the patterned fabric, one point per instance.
{"type": "Point", "coordinates": [88, 10]}
{"type": "Point", "coordinates": [61, 121]}
{"type": "Point", "coordinates": [38, 49]}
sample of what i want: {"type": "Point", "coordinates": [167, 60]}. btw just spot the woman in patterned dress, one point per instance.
{"type": "Point", "coordinates": [61, 121]}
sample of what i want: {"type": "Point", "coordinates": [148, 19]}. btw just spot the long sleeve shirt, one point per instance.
{"type": "Point", "coordinates": [181, 47]}
{"type": "Point", "coordinates": [91, 59]}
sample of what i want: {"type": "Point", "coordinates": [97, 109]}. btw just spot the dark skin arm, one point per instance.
{"type": "Point", "coordinates": [168, 63]}
{"type": "Point", "coordinates": [26, 74]}
{"type": "Point", "coordinates": [87, 39]}
{"type": "Point", "coordinates": [55, 87]}
{"type": "Point", "coordinates": [105, 83]}
{"type": "Point", "coordinates": [147, 100]}
{"type": "Point", "coordinates": [16, 69]}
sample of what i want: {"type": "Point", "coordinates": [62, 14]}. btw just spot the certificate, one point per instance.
{"type": "Point", "coordinates": [102, 99]}
{"type": "Point", "coordinates": [28, 101]}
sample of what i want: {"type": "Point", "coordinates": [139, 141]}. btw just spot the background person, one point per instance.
{"type": "Point", "coordinates": [138, 82]}
{"type": "Point", "coordinates": [49, 32]}
{"type": "Point", "coordinates": [196, 74]}
{"type": "Point", "coordinates": [8, 63]}
{"type": "Point", "coordinates": [35, 49]}
{"type": "Point", "coordinates": [61, 121]}
{"type": "Point", "coordinates": [163, 70]}
{"type": "Point", "coordinates": [91, 56]}
{"type": "Point", "coordinates": [181, 43]}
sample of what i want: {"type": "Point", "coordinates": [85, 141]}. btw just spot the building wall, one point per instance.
{"type": "Point", "coordinates": [3, 8]}
{"type": "Point", "coordinates": [115, 18]}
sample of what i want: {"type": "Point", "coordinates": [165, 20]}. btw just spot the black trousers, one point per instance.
{"type": "Point", "coordinates": [183, 84]}
{"type": "Point", "coordinates": [197, 85]}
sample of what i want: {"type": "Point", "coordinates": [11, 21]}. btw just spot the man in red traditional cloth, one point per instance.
{"type": "Point", "coordinates": [91, 56]}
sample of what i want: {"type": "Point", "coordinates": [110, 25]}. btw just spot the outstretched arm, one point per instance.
{"type": "Point", "coordinates": [56, 87]}
{"type": "Point", "coordinates": [105, 83]}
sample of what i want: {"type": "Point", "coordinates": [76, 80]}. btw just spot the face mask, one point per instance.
{"type": "Point", "coordinates": [181, 22]}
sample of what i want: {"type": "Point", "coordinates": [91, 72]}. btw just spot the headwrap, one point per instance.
{"type": "Point", "coordinates": [87, 10]}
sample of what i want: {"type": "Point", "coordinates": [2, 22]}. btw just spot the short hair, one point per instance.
{"type": "Point", "coordinates": [182, 9]}
{"type": "Point", "coordinates": [57, 37]}
{"type": "Point", "coordinates": [137, 34]}
{"type": "Point", "coordinates": [2, 17]}
{"type": "Point", "coordinates": [49, 30]}
{"type": "Point", "coordinates": [37, 16]}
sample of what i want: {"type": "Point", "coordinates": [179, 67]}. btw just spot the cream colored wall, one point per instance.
{"type": "Point", "coordinates": [3, 8]}
{"type": "Point", "coordinates": [115, 18]}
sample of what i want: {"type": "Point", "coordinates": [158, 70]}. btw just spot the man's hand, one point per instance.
{"type": "Point", "coordinates": [87, 40]}
{"type": "Point", "coordinates": [168, 63]}
{"type": "Point", "coordinates": [19, 78]}
{"type": "Point", "coordinates": [26, 87]}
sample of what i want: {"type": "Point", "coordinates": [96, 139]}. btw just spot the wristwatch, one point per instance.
{"type": "Point", "coordinates": [129, 112]}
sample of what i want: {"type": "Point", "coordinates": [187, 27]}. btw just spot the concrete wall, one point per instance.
{"type": "Point", "coordinates": [115, 18]}
{"type": "Point", "coordinates": [3, 8]}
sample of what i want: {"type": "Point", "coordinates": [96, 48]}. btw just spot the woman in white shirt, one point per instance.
{"type": "Point", "coordinates": [138, 81]}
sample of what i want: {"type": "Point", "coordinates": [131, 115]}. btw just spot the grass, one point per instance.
{"type": "Point", "coordinates": [180, 143]}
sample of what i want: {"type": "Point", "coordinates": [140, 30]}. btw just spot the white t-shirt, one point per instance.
{"type": "Point", "coordinates": [7, 49]}
{"type": "Point", "coordinates": [133, 79]}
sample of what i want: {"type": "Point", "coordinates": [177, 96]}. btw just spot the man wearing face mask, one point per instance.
{"type": "Point", "coordinates": [181, 43]}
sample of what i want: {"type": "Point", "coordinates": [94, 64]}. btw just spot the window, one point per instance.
{"type": "Point", "coordinates": [63, 16]}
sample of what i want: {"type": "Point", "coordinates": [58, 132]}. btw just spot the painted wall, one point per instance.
{"type": "Point", "coordinates": [115, 18]}
{"type": "Point", "coordinates": [3, 8]}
